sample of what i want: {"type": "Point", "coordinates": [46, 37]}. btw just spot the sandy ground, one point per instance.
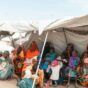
{"type": "Point", "coordinates": [12, 84]}
{"type": "Point", "coordinates": [8, 84]}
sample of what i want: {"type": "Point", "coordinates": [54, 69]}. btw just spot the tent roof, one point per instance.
{"type": "Point", "coordinates": [4, 33]}
{"type": "Point", "coordinates": [16, 30]}
{"type": "Point", "coordinates": [76, 23]}
{"type": "Point", "coordinates": [17, 27]}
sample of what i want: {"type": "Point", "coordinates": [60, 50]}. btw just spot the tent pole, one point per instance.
{"type": "Point", "coordinates": [12, 41]}
{"type": "Point", "coordinates": [65, 36]}
{"type": "Point", "coordinates": [40, 58]}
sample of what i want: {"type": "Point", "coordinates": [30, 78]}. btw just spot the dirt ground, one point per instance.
{"type": "Point", "coordinates": [8, 84]}
{"type": "Point", "coordinates": [12, 84]}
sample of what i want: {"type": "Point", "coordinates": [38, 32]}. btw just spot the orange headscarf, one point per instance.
{"type": "Point", "coordinates": [32, 51]}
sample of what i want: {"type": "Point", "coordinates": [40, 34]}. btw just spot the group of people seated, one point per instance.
{"type": "Point", "coordinates": [61, 69]}
{"type": "Point", "coordinates": [54, 69]}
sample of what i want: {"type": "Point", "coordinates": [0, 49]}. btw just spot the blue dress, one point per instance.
{"type": "Point", "coordinates": [25, 83]}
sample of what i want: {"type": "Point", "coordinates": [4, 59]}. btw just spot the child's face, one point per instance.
{"type": "Point", "coordinates": [68, 48]}
{"type": "Point", "coordinates": [74, 54]}
{"type": "Point", "coordinates": [86, 61]}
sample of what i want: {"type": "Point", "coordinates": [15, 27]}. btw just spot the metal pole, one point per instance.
{"type": "Point", "coordinates": [40, 58]}
{"type": "Point", "coordinates": [12, 41]}
{"type": "Point", "coordinates": [65, 36]}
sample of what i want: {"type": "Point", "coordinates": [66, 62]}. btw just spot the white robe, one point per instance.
{"type": "Point", "coordinates": [56, 71]}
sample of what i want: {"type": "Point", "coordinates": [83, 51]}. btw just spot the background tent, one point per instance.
{"type": "Point", "coordinates": [5, 46]}
{"type": "Point", "coordinates": [74, 31]}
{"type": "Point", "coordinates": [17, 32]}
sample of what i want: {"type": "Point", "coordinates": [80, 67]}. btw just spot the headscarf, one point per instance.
{"type": "Point", "coordinates": [32, 51]}
{"type": "Point", "coordinates": [54, 63]}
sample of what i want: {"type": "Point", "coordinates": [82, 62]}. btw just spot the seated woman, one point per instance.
{"type": "Point", "coordinates": [72, 68]}
{"type": "Point", "coordinates": [6, 69]}
{"type": "Point", "coordinates": [18, 60]}
{"type": "Point", "coordinates": [67, 53]}
{"type": "Point", "coordinates": [65, 59]}
{"type": "Point", "coordinates": [28, 65]}
{"type": "Point", "coordinates": [47, 49]}
{"type": "Point", "coordinates": [32, 51]}
{"type": "Point", "coordinates": [29, 76]}
{"type": "Point", "coordinates": [51, 56]}
{"type": "Point", "coordinates": [83, 72]}
{"type": "Point", "coordinates": [27, 80]}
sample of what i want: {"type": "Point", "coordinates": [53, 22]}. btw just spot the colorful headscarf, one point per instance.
{"type": "Point", "coordinates": [54, 63]}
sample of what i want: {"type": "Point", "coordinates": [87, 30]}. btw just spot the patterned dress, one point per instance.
{"type": "Point", "coordinates": [18, 65]}
{"type": "Point", "coordinates": [83, 79]}
{"type": "Point", "coordinates": [73, 63]}
{"type": "Point", "coordinates": [6, 69]}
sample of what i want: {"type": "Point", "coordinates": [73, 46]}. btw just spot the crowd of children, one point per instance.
{"type": "Point", "coordinates": [54, 69]}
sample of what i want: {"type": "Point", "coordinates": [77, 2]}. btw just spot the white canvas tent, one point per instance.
{"type": "Point", "coordinates": [17, 32]}
{"type": "Point", "coordinates": [5, 46]}
{"type": "Point", "coordinates": [59, 34]}
{"type": "Point", "coordinates": [17, 26]}
{"type": "Point", "coordinates": [71, 31]}
{"type": "Point", "coordinates": [74, 31]}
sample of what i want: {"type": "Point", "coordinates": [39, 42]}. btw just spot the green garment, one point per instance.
{"type": "Point", "coordinates": [7, 70]}
{"type": "Point", "coordinates": [51, 57]}
{"type": "Point", "coordinates": [25, 83]}
{"type": "Point", "coordinates": [84, 71]}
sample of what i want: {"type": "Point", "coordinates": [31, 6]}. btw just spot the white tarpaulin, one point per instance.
{"type": "Point", "coordinates": [16, 31]}
{"type": "Point", "coordinates": [70, 31]}
{"type": "Point", "coordinates": [74, 31]}
{"type": "Point", "coordinates": [17, 27]}
{"type": "Point", "coordinates": [69, 23]}
{"type": "Point", "coordinates": [5, 46]}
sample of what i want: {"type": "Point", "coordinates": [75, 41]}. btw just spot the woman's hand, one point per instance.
{"type": "Point", "coordinates": [34, 76]}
